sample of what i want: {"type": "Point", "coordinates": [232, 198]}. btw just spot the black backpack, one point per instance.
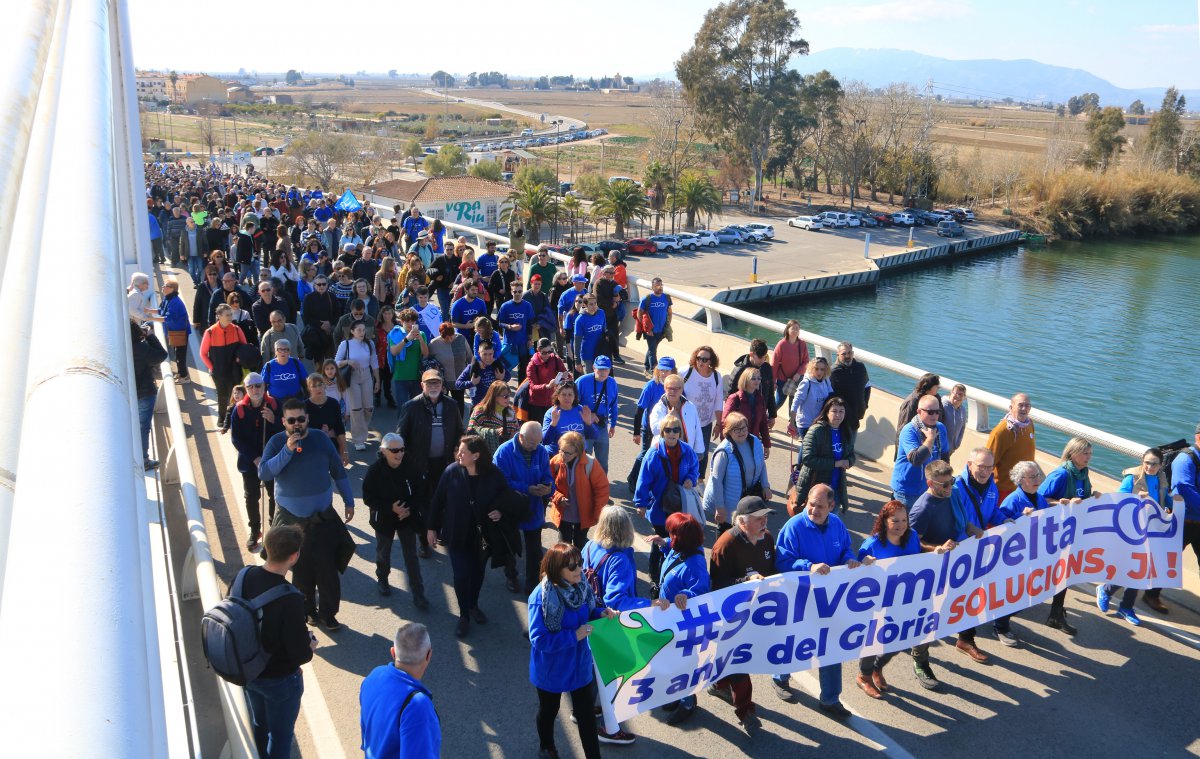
{"type": "Point", "coordinates": [1172, 451]}
{"type": "Point", "coordinates": [232, 635]}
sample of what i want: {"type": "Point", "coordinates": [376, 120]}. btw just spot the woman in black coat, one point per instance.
{"type": "Point", "coordinates": [398, 497]}
{"type": "Point", "coordinates": [471, 497]}
{"type": "Point", "coordinates": [828, 452]}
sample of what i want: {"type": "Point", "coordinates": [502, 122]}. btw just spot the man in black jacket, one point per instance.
{"type": "Point", "coordinates": [431, 426]}
{"type": "Point", "coordinates": [268, 302]}
{"type": "Point", "coordinates": [148, 354]}
{"type": "Point", "coordinates": [397, 497]}
{"type": "Point", "coordinates": [274, 696]}
{"type": "Point", "coordinates": [850, 382]}
{"type": "Point", "coordinates": [229, 285]}
{"type": "Point", "coordinates": [757, 358]}
{"type": "Point", "coordinates": [255, 420]}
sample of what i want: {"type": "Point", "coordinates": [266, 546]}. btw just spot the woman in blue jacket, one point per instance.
{"type": "Point", "coordinates": [1068, 484]}
{"type": "Point", "coordinates": [175, 319]}
{"type": "Point", "coordinates": [566, 415]}
{"type": "Point", "coordinates": [667, 466]}
{"type": "Point", "coordinates": [560, 609]}
{"type": "Point", "coordinates": [685, 575]}
{"type": "Point", "coordinates": [1146, 481]}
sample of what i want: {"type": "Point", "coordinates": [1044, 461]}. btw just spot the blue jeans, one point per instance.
{"type": "Point", "coordinates": [145, 417]}
{"type": "Point", "coordinates": [830, 678]}
{"type": "Point", "coordinates": [652, 342]}
{"type": "Point", "coordinates": [443, 297]}
{"type": "Point", "coordinates": [405, 390]}
{"type": "Point", "coordinates": [598, 447]}
{"type": "Point", "coordinates": [196, 269]}
{"type": "Point", "coordinates": [274, 706]}
{"type": "Point", "coordinates": [249, 273]}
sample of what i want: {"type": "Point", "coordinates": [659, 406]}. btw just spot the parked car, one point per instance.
{"type": "Point", "coordinates": [811, 223]}
{"type": "Point", "coordinates": [884, 219]}
{"type": "Point", "coordinates": [641, 246]}
{"type": "Point", "coordinates": [949, 229]}
{"type": "Point", "coordinates": [730, 235]}
{"type": "Point", "coordinates": [604, 246]}
{"type": "Point", "coordinates": [834, 219]}
{"type": "Point", "coordinates": [665, 243]}
{"type": "Point", "coordinates": [867, 220]}
{"type": "Point", "coordinates": [527, 132]}
{"type": "Point", "coordinates": [748, 234]}
{"type": "Point", "coordinates": [688, 240]}
{"type": "Point", "coordinates": [766, 230]}
{"type": "Point", "coordinates": [904, 219]}
{"type": "Point", "coordinates": [917, 214]}
{"type": "Point", "coordinates": [707, 237]}
{"type": "Point", "coordinates": [966, 213]}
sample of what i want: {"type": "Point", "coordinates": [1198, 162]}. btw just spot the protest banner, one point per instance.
{"type": "Point", "coordinates": [799, 620]}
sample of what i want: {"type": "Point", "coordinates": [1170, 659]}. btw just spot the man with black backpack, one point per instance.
{"type": "Point", "coordinates": [1185, 485]}
{"type": "Point", "coordinates": [274, 695]}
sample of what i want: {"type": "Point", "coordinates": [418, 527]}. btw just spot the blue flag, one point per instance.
{"type": "Point", "coordinates": [348, 202]}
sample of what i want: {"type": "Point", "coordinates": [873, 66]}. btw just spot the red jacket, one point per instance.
{"type": "Point", "coordinates": [541, 374]}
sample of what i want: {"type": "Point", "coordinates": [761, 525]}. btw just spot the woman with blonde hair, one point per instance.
{"type": "Point", "coordinates": [386, 288]}
{"type": "Point", "coordinates": [1068, 485]}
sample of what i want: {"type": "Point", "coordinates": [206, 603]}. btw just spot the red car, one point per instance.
{"type": "Point", "coordinates": [885, 220]}
{"type": "Point", "coordinates": [642, 245]}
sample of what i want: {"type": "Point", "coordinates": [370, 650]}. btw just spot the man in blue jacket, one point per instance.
{"type": "Point", "coordinates": [598, 391]}
{"type": "Point", "coordinates": [525, 463]}
{"type": "Point", "coordinates": [398, 719]}
{"type": "Point", "coordinates": [816, 540]}
{"type": "Point", "coordinates": [1186, 485]}
{"type": "Point", "coordinates": [922, 440]}
{"type": "Point", "coordinates": [975, 496]}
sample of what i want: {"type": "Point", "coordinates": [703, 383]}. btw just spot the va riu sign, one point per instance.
{"type": "Point", "coordinates": [799, 620]}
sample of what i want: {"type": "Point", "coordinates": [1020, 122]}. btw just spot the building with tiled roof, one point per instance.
{"type": "Point", "coordinates": [463, 200]}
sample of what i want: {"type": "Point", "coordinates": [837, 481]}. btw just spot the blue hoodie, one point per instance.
{"type": "Point", "coordinates": [569, 420]}
{"type": "Point", "coordinates": [801, 544]}
{"type": "Point", "coordinates": [617, 575]}
{"type": "Point", "coordinates": [687, 576]}
{"type": "Point", "coordinates": [510, 459]}
{"type": "Point", "coordinates": [388, 732]}
{"type": "Point", "coordinates": [652, 482]}
{"type": "Point", "coordinates": [908, 478]}
{"type": "Point", "coordinates": [1184, 482]}
{"type": "Point", "coordinates": [558, 663]}
{"type": "Point", "coordinates": [966, 500]}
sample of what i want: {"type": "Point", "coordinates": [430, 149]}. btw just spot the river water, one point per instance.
{"type": "Point", "coordinates": [1105, 333]}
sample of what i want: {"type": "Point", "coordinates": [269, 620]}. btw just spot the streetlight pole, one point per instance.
{"type": "Point", "coordinates": [557, 183]}
{"type": "Point", "coordinates": [674, 174]}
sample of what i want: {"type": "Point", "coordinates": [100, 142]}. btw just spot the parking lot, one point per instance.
{"type": "Point", "coordinates": [792, 254]}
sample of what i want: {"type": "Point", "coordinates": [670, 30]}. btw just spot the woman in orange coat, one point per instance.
{"type": "Point", "coordinates": [218, 350]}
{"type": "Point", "coordinates": [580, 490]}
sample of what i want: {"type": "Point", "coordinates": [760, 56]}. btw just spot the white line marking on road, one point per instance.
{"type": "Point", "coordinates": [860, 724]}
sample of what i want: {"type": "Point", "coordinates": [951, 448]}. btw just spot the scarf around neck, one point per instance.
{"type": "Point", "coordinates": [556, 600]}
{"type": "Point", "coordinates": [1015, 425]}
{"type": "Point", "coordinates": [1077, 476]}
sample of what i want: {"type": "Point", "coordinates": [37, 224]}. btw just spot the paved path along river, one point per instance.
{"type": "Point", "coordinates": [1056, 696]}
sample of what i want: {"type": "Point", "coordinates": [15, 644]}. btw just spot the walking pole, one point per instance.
{"type": "Point", "coordinates": [262, 486]}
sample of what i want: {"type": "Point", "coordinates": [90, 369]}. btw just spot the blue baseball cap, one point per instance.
{"type": "Point", "coordinates": [602, 362]}
{"type": "Point", "coordinates": [579, 278]}
{"type": "Point", "coordinates": [666, 363]}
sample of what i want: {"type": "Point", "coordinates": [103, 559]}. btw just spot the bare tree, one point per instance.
{"type": "Point", "coordinates": [321, 156]}
{"type": "Point", "coordinates": [374, 160]}
{"type": "Point", "coordinates": [674, 134]}
{"type": "Point", "coordinates": [208, 133]}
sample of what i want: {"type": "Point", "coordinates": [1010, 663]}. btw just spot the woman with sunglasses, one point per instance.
{"type": "Point", "coordinates": [703, 386]}
{"type": "Point", "coordinates": [669, 465]}
{"type": "Point", "coordinates": [1145, 481]}
{"type": "Point", "coordinates": [494, 419]}
{"type": "Point", "coordinates": [543, 374]}
{"type": "Point", "coordinates": [814, 389]}
{"type": "Point", "coordinates": [397, 495]}
{"type": "Point", "coordinates": [560, 610]}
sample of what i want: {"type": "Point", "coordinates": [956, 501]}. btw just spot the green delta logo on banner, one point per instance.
{"type": "Point", "coordinates": [799, 620]}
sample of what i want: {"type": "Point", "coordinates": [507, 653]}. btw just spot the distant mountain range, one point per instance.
{"type": "Point", "coordinates": [1023, 80]}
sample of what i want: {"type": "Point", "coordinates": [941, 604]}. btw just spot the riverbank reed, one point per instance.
{"type": "Point", "coordinates": [1079, 204]}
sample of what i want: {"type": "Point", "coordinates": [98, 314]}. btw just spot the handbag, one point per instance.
{"type": "Point", "coordinates": [346, 374]}
{"type": "Point", "coordinates": [177, 338]}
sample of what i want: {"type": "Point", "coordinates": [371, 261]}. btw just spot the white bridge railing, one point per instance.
{"type": "Point", "coordinates": [979, 401]}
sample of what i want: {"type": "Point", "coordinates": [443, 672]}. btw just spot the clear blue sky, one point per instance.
{"type": "Point", "coordinates": [1130, 45]}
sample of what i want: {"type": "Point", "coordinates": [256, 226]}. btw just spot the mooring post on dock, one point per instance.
{"type": "Point", "coordinates": [754, 270]}
{"type": "Point", "coordinates": [867, 247]}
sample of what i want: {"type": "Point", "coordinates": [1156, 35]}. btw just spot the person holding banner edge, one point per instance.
{"type": "Point", "coordinates": [815, 540]}
{"type": "Point", "coordinates": [684, 576]}
{"type": "Point", "coordinates": [1069, 484]}
{"type": "Point", "coordinates": [560, 610]}
{"type": "Point", "coordinates": [1027, 476]}
{"type": "Point", "coordinates": [743, 553]}
{"type": "Point", "coordinates": [891, 536]}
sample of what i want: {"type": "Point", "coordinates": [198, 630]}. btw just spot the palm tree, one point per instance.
{"type": "Point", "coordinates": [622, 201]}
{"type": "Point", "coordinates": [534, 203]}
{"type": "Point", "coordinates": [696, 194]}
{"type": "Point", "coordinates": [658, 178]}
{"type": "Point", "coordinates": [572, 208]}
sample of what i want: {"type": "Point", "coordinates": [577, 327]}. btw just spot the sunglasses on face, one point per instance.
{"type": "Point", "coordinates": [296, 419]}
{"type": "Point", "coordinates": [933, 411]}
{"type": "Point", "coordinates": [671, 430]}
{"type": "Point", "coordinates": [401, 449]}
{"type": "Point", "coordinates": [572, 566]}
{"type": "Point", "coordinates": [704, 359]}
